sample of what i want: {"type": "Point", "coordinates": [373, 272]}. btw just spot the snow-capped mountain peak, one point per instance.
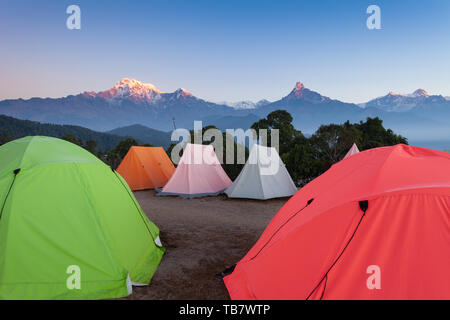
{"type": "Point", "coordinates": [135, 85]}
{"type": "Point", "coordinates": [391, 93]}
{"type": "Point", "coordinates": [396, 102]}
{"type": "Point", "coordinates": [262, 102]}
{"type": "Point", "coordinates": [133, 90]}
{"type": "Point", "coordinates": [299, 86]}
{"type": "Point", "coordinates": [420, 93]}
{"type": "Point", "coordinates": [300, 92]}
{"type": "Point", "coordinates": [246, 104]}
{"type": "Point", "coordinates": [240, 105]}
{"type": "Point", "coordinates": [182, 93]}
{"type": "Point", "coordinates": [298, 89]}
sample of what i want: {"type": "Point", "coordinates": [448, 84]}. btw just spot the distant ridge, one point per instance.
{"type": "Point", "coordinates": [397, 102]}
{"type": "Point", "coordinates": [15, 128]}
{"type": "Point", "coordinates": [144, 135]}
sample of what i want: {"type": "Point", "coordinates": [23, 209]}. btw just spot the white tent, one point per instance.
{"type": "Point", "coordinates": [264, 176]}
{"type": "Point", "coordinates": [353, 150]}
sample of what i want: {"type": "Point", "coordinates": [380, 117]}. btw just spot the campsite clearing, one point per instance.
{"type": "Point", "coordinates": [202, 236]}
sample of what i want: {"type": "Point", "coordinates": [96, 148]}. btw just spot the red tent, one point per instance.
{"type": "Point", "coordinates": [374, 226]}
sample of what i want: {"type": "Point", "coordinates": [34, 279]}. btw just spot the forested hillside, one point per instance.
{"type": "Point", "coordinates": [11, 128]}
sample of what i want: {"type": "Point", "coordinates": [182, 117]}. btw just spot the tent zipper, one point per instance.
{"type": "Point", "coordinates": [16, 172]}
{"type": "Point", "coordinates": [363, 205]}
{"type": "Point", "coordinates": [290, 218]}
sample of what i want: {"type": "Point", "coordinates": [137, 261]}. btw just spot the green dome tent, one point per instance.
{"type": "Point", "coordinates": [70, 228]}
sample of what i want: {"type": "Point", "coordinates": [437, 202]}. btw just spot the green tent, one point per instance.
{"type": "Point", "coordinates": [70, 228]}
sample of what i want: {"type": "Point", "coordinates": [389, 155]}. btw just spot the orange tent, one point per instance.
{"type": "Point", "coordinates": [374, 226]}
{"type": "Point", "coordinates": [146, 168]}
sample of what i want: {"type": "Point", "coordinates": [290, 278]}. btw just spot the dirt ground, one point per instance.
{"type": "Point", "coordinates": [202, 236]}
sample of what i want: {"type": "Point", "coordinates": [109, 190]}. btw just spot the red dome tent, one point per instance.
{"type": "Point", "coordinates": [374, 226]}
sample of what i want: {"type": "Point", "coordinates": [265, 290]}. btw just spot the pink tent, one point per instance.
{"type": "Point", "coordinates": [199, 173]}
{"type": "Point", "coordinates": [353, 150]}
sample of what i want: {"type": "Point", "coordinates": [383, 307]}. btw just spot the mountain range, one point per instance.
{"type": "Point", "coordinates": [418, 116]}
{"type": "Point", "coordinates": [246, 104]}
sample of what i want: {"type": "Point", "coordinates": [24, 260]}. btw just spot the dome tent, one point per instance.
{"type": "Point", "coordinates": [264, 176]}
{"type": "Point", "coordinates": [62, 207]}
{"type": "Point", "coordinates": [385, 208]}
{"type": "Point", "coordinates": [146, 168]}
{"type": "Point", "coordinates": [199, 173]}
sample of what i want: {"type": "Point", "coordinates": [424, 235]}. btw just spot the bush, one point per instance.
{"type": "Point", "coordinates": [307, 158]}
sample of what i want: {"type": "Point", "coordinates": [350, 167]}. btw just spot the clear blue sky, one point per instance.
{"type": "Point", "coordinates": [226, 50]}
